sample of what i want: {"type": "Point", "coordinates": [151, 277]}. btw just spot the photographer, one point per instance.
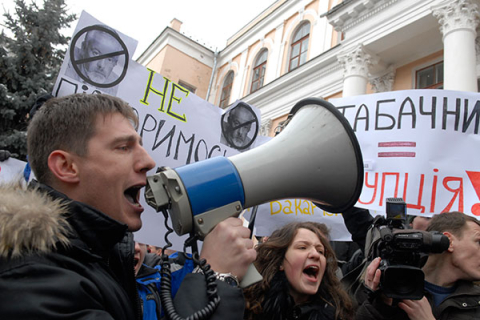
{"type": "Point", "coordinates": [449, 289]}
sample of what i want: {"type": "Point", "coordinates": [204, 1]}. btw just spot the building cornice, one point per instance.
{"type": "Point", "coordinates": [276, 18]}
{"type": "Point", "coordinates": [176, 39]}
{"type": "Point", "coordinates": [347, 15]}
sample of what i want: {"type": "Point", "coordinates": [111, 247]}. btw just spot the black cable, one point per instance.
{"type": "Point", "coordinates": [166, 284]}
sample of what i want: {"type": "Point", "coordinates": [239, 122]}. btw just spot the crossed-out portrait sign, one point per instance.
{"type": "Point", "coordinates": [239, 126]}
{"type": "Point", "coordinates": [99, 52]}
{"type": "Point", "coordinates": [97, 60]}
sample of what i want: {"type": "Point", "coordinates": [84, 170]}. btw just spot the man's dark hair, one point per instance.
{"type": "Point", "coordinates": [68, 123]}
{"type": "Point", "coordinates": [453, 222]}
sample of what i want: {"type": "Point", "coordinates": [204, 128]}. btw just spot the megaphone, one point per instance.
{"type": "Point", "coordinates": [316, 157]}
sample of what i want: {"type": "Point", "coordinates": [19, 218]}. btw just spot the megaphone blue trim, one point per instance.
{"type": "Point", "coordinates": [211, 184]}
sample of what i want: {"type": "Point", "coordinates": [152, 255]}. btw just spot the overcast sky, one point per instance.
{"type": "Point", "coordinates": [211, 22]}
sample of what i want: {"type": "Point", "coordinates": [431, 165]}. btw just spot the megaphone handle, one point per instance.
{"type": "Point", "coordinates": [251, 224]}
{"type": "Point", "coordinates": [252, 276]}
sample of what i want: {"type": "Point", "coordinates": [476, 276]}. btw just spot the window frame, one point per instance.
{"type": "Point", "coordinates": [301, 43]}
{"type": "Point", "coordinates": [435, 85]}
{"type": "Point", "coordinates": [225, 97]}
{"type": "Point", "coordinates": [262, 67]}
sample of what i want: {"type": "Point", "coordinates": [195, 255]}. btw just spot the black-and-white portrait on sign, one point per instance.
{"type": "Point", "coordinates": [98, 57]}
{"type": "Point", "coordinates": [239, 126]}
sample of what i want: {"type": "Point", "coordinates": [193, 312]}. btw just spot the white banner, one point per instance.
{"type": "Point", "coordinates": [421, 145]}
{"type": "Point", "coordinates": [416, 144]}
{"type": "Point", "coordinates": [11, 170]}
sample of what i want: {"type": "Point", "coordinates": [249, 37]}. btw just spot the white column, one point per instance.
{"type": "Point", "coordinates": [458, 21]}
{"type": "Point", "coordinates": [355, 67]}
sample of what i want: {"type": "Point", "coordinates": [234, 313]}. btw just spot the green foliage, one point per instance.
{"type": "Point", "coordinates": [31, 53]}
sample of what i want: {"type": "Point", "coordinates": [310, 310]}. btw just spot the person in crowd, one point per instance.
{"type": "Point", "coordinates": [298, 267]}
{"type": "Point", "coordinates": [4, 155]}
{"type": "Point", "coordinates": [358, 222]}
{"type": "Point", "coordinates": [149, 280]}
{"type": "Point", "coordinates": [418, 222]}
{"type": "Point", "coordinates": [159, 250]}
{"type": "Point", "coordinates": [450, 291]}
{"type": "Point", "coordinates": [66, 243]}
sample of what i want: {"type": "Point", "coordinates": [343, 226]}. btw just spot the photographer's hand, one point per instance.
{"type": "Point", "coordinates": [372, 276]}
{"type": "Point", "coordinates": [417, 309]}
{"type": "Point", "coordinates": [372, 279]}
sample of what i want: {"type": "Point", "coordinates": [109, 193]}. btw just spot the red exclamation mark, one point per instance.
{"type": "Point", "coordinates": [475, 179]}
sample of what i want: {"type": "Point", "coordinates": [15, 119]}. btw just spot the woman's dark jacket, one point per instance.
{"type": "Point", "coordinates": [279, 304]}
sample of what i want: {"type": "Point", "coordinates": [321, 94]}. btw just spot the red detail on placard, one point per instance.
{"type": "Point", "coordinates": [475, 180]}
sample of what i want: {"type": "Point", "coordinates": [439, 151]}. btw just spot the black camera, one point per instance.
{"type": "Point", "coordinates": [403, 251]}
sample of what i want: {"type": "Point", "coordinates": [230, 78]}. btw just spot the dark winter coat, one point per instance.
{"type": "Point", "coordinates": [279, 305]}
{"type": "Point", "coordinates": [61, 259]}
{"type": "Point", "coordinates": [61, 263]}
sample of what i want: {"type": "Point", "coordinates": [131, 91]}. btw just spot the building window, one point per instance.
{"type": "Point", "coordinates": [226, 90]}
{"type": "Point", "coordinates": [187, 86]}
{"type": "Point", "coordinates": [259, 70]}
{"type": "Point", "coordinates": [430, 77]}
{"type": "Point", "coordinates": [298, 50]}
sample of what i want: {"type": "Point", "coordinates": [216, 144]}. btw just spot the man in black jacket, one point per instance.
{"type": "Point", "coordinates": [450, 276]}
{"type": "Point", "coordinates": [66, 250]}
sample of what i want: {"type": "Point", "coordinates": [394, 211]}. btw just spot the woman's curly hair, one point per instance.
{"type": "Point", "coordinates": [270, 256]}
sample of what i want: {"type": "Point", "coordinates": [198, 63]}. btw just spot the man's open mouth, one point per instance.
{"type": "Point", "coordinates": [133, 194]}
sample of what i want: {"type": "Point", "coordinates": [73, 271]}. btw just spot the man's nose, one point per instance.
{"type": "Point", "coordinates": [145, 161]}
{"type": "Point", "coordinates": [100, 64]}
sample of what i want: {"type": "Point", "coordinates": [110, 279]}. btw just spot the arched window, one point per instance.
{"type": "Point", "coordinates": [259, 70]}
{"type": "Point", "coordinates": [298, 50]}
{"type": "Point", "coordinates": [226, 90]}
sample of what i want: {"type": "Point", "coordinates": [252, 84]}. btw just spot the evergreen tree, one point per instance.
{"type": "Point", "coordinates": [31, 53]}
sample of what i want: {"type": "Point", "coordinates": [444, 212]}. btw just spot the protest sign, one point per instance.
{"type": "Point", "coordinates": [421, 145]}
{"type": "Point", "coordinates": [11, 170]}
{"type": "Point", "coordinates": [177, 127]}
{"type": "Point", "coordinates": [416, 144]}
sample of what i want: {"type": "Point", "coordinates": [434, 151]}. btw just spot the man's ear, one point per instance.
{"type": "Point", "coordinates": [63, 166]}
{"type": "Point", "coordinates": [451, 238]}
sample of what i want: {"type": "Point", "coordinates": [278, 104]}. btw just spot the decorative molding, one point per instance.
{"type": "Point", "coordinates": [357, 62]}
{"type": "Point", "coordinates": [357, 12]}
{"type": "Point", "coordinates": [383, 83]}
{"type": "Point", "coordinates": [457, 14]}
{"type": "Point", "coordinates": [367, 14]}
{"type": "Point", "coordinates": [265, 127]}
{"type": "Point", "coordinates": [301, 14]}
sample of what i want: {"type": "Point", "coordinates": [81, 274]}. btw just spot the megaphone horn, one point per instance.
{"type": "Point", "coordinates": [316, 157]}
